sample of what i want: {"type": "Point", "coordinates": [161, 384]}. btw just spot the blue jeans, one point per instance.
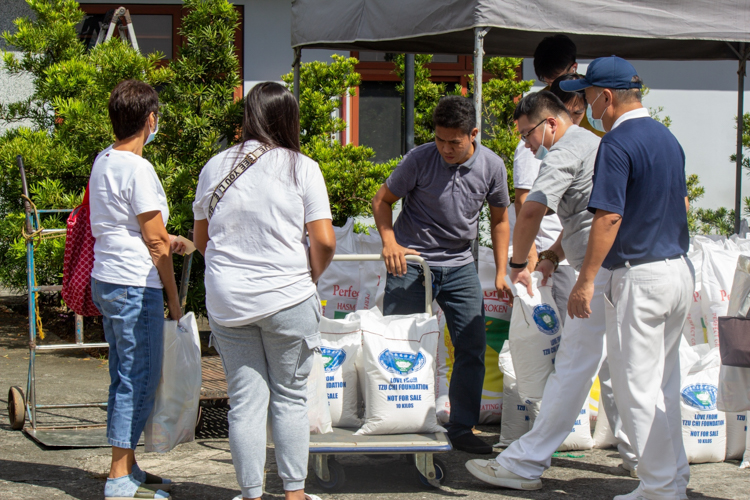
{"type": "Point", "coordinates": [133, 319]}
{"type": "Point", "coordinates": [459, 294]}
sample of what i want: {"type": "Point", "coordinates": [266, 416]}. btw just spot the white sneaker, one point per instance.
{"type": "Point", "coordinates": [632, 470]}
{"type": "Point", "coordinates": [307, 497]}
{"type": "Point", "coordinates": [633, 495]}
{"type": "Point", "coordinates": [493, 473]}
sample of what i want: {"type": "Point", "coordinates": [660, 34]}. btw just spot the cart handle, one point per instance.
{"type": "Point", "coordinates": [357, 257]}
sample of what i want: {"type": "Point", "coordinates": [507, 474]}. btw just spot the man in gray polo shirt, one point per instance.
{"type": "Point", "coordinates": [444, 185]}
{"type": "Point", "coordinates": [563, 186]}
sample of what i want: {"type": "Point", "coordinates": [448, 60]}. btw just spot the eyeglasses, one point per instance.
{"type": "Point", "coordinates": [546, 81]}
{"type": "Point", "coordinates": [525, 136]}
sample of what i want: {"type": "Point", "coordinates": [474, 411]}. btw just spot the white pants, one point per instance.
{"type": "Point", "coordinates": [581, 356]}
{"type": "Point", "coordinates": [563, 280]}
{"type": "Point", "coordinates": [646, 309]}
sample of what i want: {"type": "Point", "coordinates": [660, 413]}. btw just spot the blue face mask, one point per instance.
{"type": "Point", "coordinates": [152, 135]}
{"type": "Point", "coordinates": [596, 123]}
{"type": "Point", "coordinates": [542, 151]}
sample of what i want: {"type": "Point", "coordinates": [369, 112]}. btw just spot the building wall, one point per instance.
{"type": "Point", "coordinates": [12, 88]}
{"type": "Point", "coordinates": [701, 99]}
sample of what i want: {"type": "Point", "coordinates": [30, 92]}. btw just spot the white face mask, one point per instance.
{"type": "Point", "coordinates": [596, 123]}
{"type": "Point", "coordinates": [152, 135]}
{"type": "Point", "coordinates": [542, 151]}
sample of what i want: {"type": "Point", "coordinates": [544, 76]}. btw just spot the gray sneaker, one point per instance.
{"type": "Point", "coordinates": [493, 473]}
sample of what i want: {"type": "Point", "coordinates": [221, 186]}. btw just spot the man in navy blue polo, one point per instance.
{"type": "Point", "coordinates": [444, 185]}
{"type": "Point", "coordinates": [640, 234]}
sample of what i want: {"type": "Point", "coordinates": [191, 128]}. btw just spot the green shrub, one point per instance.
{"type": "Point", "coordinates": [351, 178]}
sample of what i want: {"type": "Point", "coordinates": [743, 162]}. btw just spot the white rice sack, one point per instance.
{"type": "Point", "coordinates": [734, 381]}
{"type": "Point", "coordinates": [694, 330]}
{"type": "Point", "coordinates": [399, 360]}
{"type": "Point", "coordinates": [736, 435]}
{"type": "Point", "coordinates": [341, 341]}
{"type": "Point", "coordinates": [603, 436]}
{"type": "Point", "coordinates": [371, 273]}
{"type": "Point", "coordinates": [717, 273]}
{"type": "Point", "coordinates": [515, 422]}
{"type": "Point", "coordinates": [535, 337]}
{"type": "Point", "coordinates": [317, 401]}
{"type": "Point", "coordinates": [443, 367]}
{"type": "Point", "coordinates": [580, 437]}
{"type": "Point", "coordinates": [497, 312]}
{"type": "Point", "coordinates": [338, 286]}
{"type": "Point", "coordinates": [704, 430]}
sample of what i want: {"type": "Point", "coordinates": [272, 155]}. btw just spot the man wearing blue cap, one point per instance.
{"type": "Point", "coordinates": [640, 235]}
{"type": "Point", "coordinates": [563, 187]}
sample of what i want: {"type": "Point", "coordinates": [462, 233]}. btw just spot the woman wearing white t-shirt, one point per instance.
{"type": "Point", "coordinates": [132, 269]}
{"type": "Point", "coordinates": [260, 284]}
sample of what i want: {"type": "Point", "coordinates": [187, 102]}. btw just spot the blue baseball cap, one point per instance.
{"type": "Point", "coordinates": [608, 72]}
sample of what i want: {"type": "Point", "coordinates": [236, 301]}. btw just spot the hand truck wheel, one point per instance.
{"type": "Point", "coordinates": [337, 477]}
{"type": "Point", "coordinates": [16, 408]}
{"type": "Point", "coordinates": [439, 474]}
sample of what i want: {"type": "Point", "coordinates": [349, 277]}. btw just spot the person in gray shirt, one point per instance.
{"type": "Point", "coordinates": [563, 186]}
{"type": "Point", "coordinates": [444, 185]}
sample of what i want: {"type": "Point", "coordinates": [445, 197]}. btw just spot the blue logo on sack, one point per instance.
{"type": "Point", "coordinates": [546, 319]}
{"type": "Point", "coordinates": [401, 363]}
{"type": "Point", "coordinates": [332, 358]}
{"type": "Point", "coordinates": [700, 396]}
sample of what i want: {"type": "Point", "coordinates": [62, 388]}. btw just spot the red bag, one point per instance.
{"type": "Point", "coordinates": [79, 261]}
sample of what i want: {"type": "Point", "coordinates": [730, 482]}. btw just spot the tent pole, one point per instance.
{"type": "Point", "coordinates": [479, 34]}
{"type": "Point", "coordinates": [409, 98]}
{"type": "Point", "coordinates": [295, 66]}
{"type": "Point", "coordinates": [743, 53]}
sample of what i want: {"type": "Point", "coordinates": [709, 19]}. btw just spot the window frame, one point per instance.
{"type": "Point", "coordinates": [176, 11]}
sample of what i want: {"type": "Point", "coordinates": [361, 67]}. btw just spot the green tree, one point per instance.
{"type": "Point", "coordinates": [499, 96]}
{"type": "Point", "coordinates": [70, 123]}
{"type": "Point", "coordinates": [351, 178]}
{"type": "Point", "coordinates": [426, 95]}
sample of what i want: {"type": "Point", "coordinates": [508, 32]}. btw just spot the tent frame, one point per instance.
{"type": "Point", "coordinates": [742, 52]}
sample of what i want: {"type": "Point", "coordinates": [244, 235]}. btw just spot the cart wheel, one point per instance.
{"type": "Point", "coordinates": [199, 420]}
{"type": "Point", "coordinates": [439, 474]}
{"type": "Point", "coordinates": [16, 411]}
{"type": "Point", "coordinates": [337, 477]}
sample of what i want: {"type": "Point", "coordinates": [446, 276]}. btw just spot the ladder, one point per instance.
{"type": "Point", "coordinates": [117, 18]}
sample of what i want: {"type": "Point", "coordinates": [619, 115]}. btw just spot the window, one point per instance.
{"type": "Point", "coordinates": [376, 110]}
{"type": "Point", "coordinates": [380, 119]}
{"type": "Point", "coordinates": [157, 28]}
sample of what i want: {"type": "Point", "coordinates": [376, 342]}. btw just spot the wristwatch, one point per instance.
{"type": "Point", "coordinates": [518, 266]}
{"type": "Point", "coordinates": [551, 256]}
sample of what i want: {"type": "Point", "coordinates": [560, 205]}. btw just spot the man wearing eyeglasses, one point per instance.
{"type": "Point", "coordinates": [568, 153]}
{"type": "Point", "coordinates": [444, 185]}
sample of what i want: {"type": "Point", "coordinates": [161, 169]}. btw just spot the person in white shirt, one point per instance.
{"type": "Point", "coordinates": [132, 265]}
{"type": "Point", "coordinates": [260, 283]}
{"type": "Point", "coordinates": [525, 171]}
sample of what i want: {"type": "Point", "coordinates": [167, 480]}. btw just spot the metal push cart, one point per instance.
{"type": "Point", "coordinates": [21, 407]}
{"type": "Point", "coordinates": [323, 447]}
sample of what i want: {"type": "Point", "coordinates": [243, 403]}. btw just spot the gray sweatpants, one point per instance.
{"type": "Point", "coordinates": [267, 364]}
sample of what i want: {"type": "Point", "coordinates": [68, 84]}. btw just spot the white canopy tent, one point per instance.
{"type": "Point", "coordinates": [635, 29]}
